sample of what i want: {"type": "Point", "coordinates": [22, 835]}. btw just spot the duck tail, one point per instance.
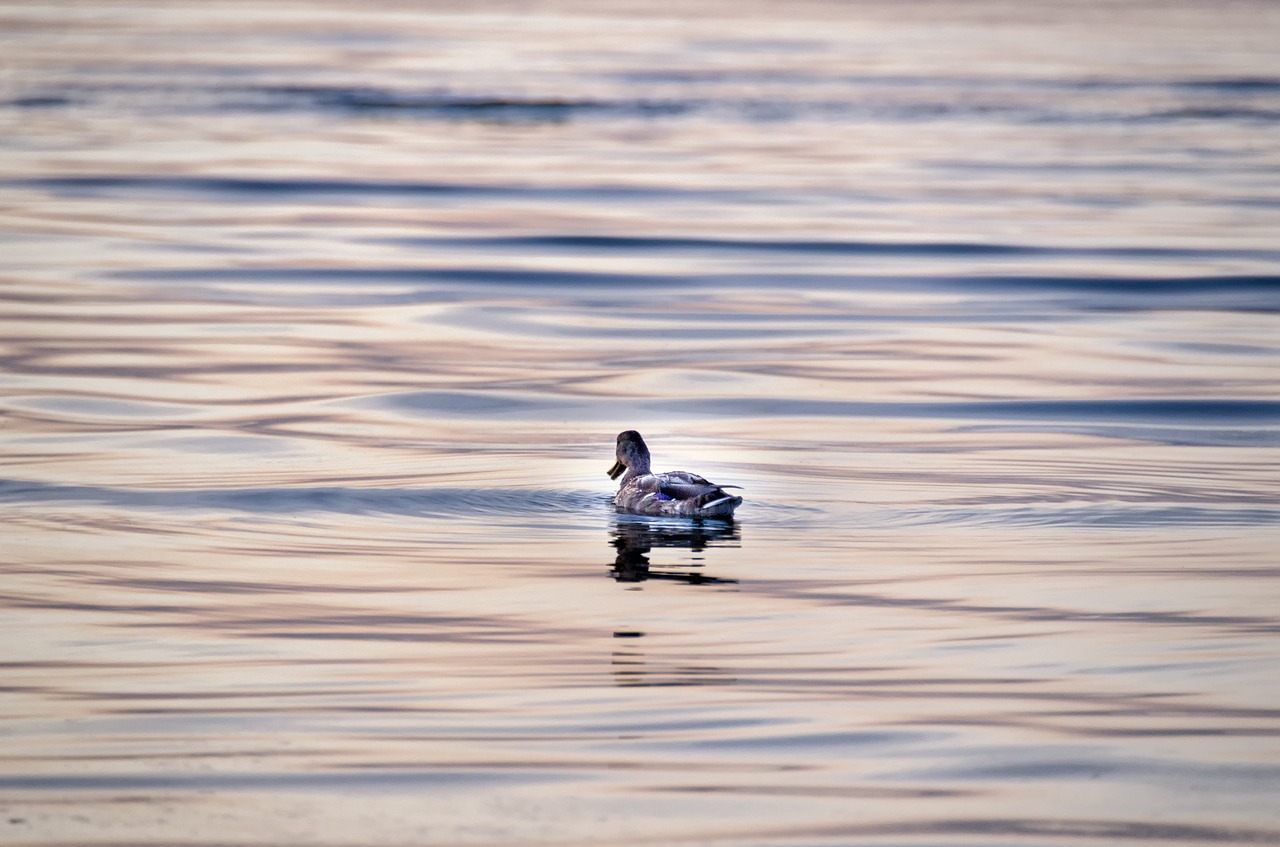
{"type": "Point", "coordinates": [717, 504]}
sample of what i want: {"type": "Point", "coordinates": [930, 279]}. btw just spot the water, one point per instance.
{"type": "Point", "coordinates": [320, 323]}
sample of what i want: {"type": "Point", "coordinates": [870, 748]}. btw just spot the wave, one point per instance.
{"type": "Point", "coordinates": [641, 244]}
{"type": "Point", "coordinates": [1234, 292]}
{"type": "Point", "coordinates": [1210, 412]}
{"type": "Point", "coordinates": [1093, 515]}
{"type": "Point", "coordinates": [295, 188]}
{"type": "Point", "coordinates": [718, 95]}
{"type": "Point", "coordinates": [1224, 422]}
{"type": "Point", "coordinates": [471, 503]}
{"type": "Point", "coordinates": [448, 106]}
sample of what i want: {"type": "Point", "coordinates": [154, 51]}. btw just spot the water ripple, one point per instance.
{"type": "Point", "coordinates": [473, 503]}
{"type": "Point", "coordinates": [275, 189]}
{"type": "Point", "coordinates": [605, 244]}
{"type": "Point", "coordinates": [1234, 292]}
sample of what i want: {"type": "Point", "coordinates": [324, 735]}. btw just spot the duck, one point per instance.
{"type": "Point", "coordinates": [670, 494]}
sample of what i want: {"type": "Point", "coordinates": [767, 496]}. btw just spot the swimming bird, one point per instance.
{"type": "Point", "coordinates": [670, 494]}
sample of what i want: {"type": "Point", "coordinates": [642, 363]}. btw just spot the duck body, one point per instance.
{"type": "Point", "coordinates": [670, 494]}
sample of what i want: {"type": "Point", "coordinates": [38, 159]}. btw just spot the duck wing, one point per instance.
{"type": "Point", "coordinates": [682, 485]}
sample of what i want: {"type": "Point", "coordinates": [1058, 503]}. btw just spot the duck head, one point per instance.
{"type": "Point", "coordinates": [632, 453]}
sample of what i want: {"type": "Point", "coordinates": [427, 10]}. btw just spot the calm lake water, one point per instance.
{"type": "Point", "coordinates": [320, 321]}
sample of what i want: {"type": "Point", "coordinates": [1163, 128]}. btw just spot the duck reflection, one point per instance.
{"type": "Point", "coordinates": [633, 669]}
{"type": "Point", "coordinates": [634, 539]}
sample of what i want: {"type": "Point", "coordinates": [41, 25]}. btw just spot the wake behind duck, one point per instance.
{"type": "Point", "coordinates": [670, 494]}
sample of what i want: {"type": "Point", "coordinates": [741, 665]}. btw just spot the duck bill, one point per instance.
{"type": "Point", "coordinates": [616, 470]}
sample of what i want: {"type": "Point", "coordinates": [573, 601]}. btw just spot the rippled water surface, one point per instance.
{"type": "Point", "coordinates": [320, 321]}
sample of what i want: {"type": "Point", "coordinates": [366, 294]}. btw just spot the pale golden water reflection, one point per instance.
{"type": "Point", "coordinates": [319, 324]}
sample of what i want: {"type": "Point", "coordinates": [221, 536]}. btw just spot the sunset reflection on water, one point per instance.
{"type": "Point", "coordinates": [320, 323]}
